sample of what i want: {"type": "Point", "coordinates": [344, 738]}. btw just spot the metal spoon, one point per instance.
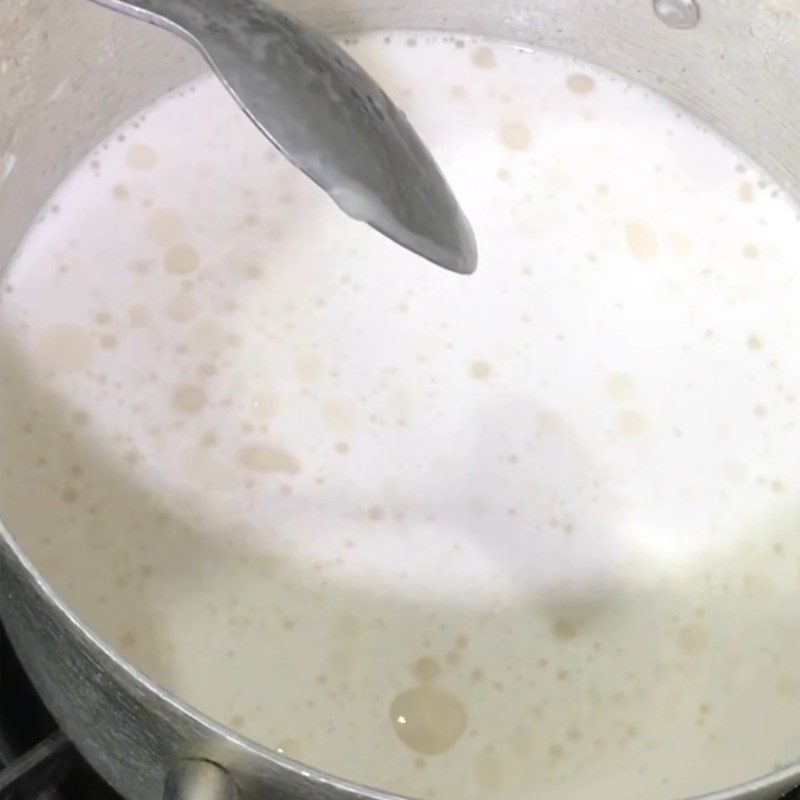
{"type": "Point", "coordinates": [327, 116]}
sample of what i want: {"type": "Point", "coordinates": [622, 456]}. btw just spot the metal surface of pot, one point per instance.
{"type": "Point", "coordinates": [70, 73]}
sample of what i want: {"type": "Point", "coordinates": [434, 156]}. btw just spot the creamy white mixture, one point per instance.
{"type": "Point", "coordinates": [532, 533]}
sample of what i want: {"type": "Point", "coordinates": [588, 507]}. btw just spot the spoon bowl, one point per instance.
{"type": "Point", "coordinates": [327, 116]}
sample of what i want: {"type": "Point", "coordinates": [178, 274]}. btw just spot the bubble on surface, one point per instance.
{"type": "Point", "coordinates": [181, 259]}
{"type": "Point", "coordinates": [182, 307]}
{"type": "Point", "coordinates": [516, 135]}
{"type": "Point", "coordinates": [678, 14]}
{"type": "Point", "coordinates": [426, 669]}
{"type": "Point", "coordinates": [484, 58]}
{"type": "Point", "coordinates": [428, 719]}
{"type": "Point", "coordinates": [754, 343]}
{"type": "Point", "coordinates": [632, 424]}
{"type": "Point", "coordinates": [189, 398]}
{"type": "Point", "coordinates": [580, 84]}
{"type": "Point", "coordinates": [376, 513]}
{"type": "Point", "coordinates": [480, 370]}
{"type": "Point", "coordinates": [747, 191]}
{"type": "Point", "coordinates": [164, 225]}
{"type": "Point", "coordinates": [693, 639]}
{"type": "Point", "coordinates": [139, 315]}
{"type": "Point", "coordinates": [64, 348]}
{"type": "Point", "coordinates": [141, 157]}
{"type": "Point", "coordinates": [564, 630]}
{"type": "Point", "coordinates": [309, 367]}
{"type": "Point", "coordinates": [265, 458]}
{"type": "Point", "coordinates": [621, 386]}
{"type": "Point", "coordinates": [641, 240]}
{"type": "Point", "coordinates": [751, 251]}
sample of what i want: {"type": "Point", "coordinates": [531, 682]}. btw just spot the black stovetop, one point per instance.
{"type": "Point", "coordinates": [37, 762]}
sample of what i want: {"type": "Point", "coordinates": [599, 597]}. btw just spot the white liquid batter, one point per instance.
{"type": "Point", "coordinates": [529, 533]}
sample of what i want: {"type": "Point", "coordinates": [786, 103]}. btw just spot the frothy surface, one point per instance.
{"type": "Point", "coordinates": [531, 531]}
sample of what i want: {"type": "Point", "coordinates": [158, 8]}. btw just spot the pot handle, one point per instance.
{"type": "Point", "coordinates": [198, 779]}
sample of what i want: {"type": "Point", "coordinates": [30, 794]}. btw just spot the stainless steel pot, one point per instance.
{"type": "Point", "coordinates": [70, 73]}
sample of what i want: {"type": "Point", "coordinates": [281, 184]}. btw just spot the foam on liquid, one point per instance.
{"type": "Point", "coordinates": [534, 531]}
